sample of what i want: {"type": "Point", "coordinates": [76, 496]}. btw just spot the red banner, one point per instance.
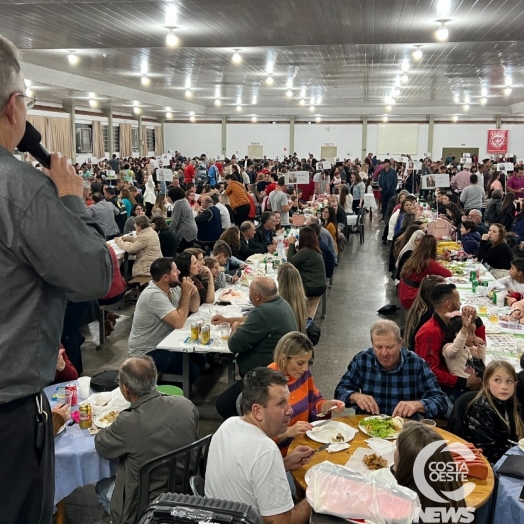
{"type": "Point", "coordinates": [498, 141]}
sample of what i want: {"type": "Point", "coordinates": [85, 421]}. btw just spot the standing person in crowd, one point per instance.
{"type": "Point", "coordinates": [515, 184]}
{"type": "Point", "coordinates": [508, 211]}
{"type": "Point", "coordinates": [473, 195]}
{"type": "Point", "coordinates": [182, 220]}
{"type": "Point", "coordinates": [494, 182]}
{"type": "Point", "coordinates": [420, 264]}
{"type": "Point", "coordinates": [149, 195]}
{"type": "Point", "coordinates": [49, 248]}
{"type": "Point", "coordinates": [413, 236]}
{"type": "Point", "coordinates": [388, 182]}
{"type": "Point", "coordinates": [238, 198]}
{"type": "Point", "coordinates": [494, 417]}
{"type": "Point", "coordinates": [345, 200]}
{"type": "Point", "coordinates": [462, 180]}
{"type": "Point", "coordinates": [279, 202]}
{"type": "Point", "coordinates": [357, 191]}
{"type": "Point", "coordinates": [494, 250]}
{"type": "Point", "coordinates": [494, 207]}
{"type": "Point", "coordinates": [127, 200]}
{"type": "Point", "coordinates": [158, 209]}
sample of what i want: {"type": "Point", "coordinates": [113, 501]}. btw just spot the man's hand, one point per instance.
{"type": "Point", "coordinates": [298, 429]}
{"type": "Point", "coordinates": [407, 408]}
{"type": "Point", "coordinates": [218, 319]}
{"type": "Point", "coordinates": [298, 457]}
{"type": "Point", "coordinates": [473, 382]}
{"type": "Point", "coordinates": [64, 176]}
{"type": "Point", "coordinates": [60, 363]}
{"type": "Point", "coordinates": [366, 403]}
{"type": "Point", "coordinates": [187, 286]}
{"type": "Point", "coordinates": [271, 248]}
{"type": "Point", "coordinates": [516, 313]}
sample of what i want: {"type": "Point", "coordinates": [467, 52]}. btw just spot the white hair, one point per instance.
{"type": "Point", "coordinates": [11, 78]}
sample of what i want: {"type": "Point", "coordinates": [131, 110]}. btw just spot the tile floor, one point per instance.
{"type": "Point", "coordinates": [361, 286]}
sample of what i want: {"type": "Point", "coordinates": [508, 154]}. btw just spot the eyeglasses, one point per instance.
{"type": "Point", "coordinates": [30, 100]}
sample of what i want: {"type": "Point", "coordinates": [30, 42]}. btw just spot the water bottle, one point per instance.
{"type": "Point", "coordinates": [280, 249]}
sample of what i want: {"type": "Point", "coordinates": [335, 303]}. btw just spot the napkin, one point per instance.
{"type": "Point", "coordinates": [380, 445]}
{"type": "Point", "coordinates": [333, 448]}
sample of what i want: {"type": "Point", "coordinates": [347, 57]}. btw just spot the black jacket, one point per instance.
{"type": "Point", "coordinates": [487, 430]}
{"type": "Point", "coordinates": [247, 248]}
{"type": "Point", "coordinates": [261, 237]}
{"type": "Point", "coordinates": [168, 243]}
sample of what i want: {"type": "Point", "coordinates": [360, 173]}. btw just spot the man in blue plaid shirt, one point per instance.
{"type": "Point", "coordinates": [386, 379]}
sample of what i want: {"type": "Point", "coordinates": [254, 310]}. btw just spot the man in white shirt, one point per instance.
{"type": "Point", "coordinates": [279, 201]}
{"type": "Point", "coordinates": [225, 217]}
{"type": "Point", "coordinates": [244, 463]}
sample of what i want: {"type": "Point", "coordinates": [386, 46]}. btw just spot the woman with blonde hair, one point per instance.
{"type": "Point", "coordinates": [292, 357]}
{"type": "Point", "coordinates": [291, 289]}
{"type": "Point", "coordinates": [158, 208]}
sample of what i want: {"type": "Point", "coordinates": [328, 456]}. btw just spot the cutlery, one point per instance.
{"type": "Point", "coordinates": [322, 448]}
{"type": "Point", "coordinates": [321, 424]}
{"type": "Point", "coordinates": [325, 412]}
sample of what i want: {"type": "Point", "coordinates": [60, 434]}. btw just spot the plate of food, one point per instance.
{"type": "Point", "coordinates": [106, 418]}
{"type": "Point", "coordinates": [332, 432]}
{"type": "Point", "coordinates": [381, 427]}
{"type": "Point", "coordinates": [457, 280]}
{"type": "Point", "coordinates": [228, 295]}
{"type": "Point", "coordinates": [365, 460]}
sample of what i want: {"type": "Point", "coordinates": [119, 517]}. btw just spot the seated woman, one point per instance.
{"type": "Point", "coordinates": [421, 263]}
{"type": "Point", "coordinates": [508, 211]}
{"type": "Point", "coordinates": [137, 210]}
{"type": "Point", "coordinates": [345, 200]}
{"type": "Point", "coordinates": [158, 209]}
{"type": "Point", "coordinates": [494, 416]}
{"type": "Point", "coordinates": [168, 241]}
{"type": "Point", "coordinates": [189, 268]}
{"type": "Point", "coordinates": [292, 357]}
{"type": "Point", "coordinates": [291, 289]}
{"type": "Point", "coordinates": [470, 237]}
{"type": "Point", "coordinates": [514, 284]}
{"type": "Point", "coordinates": [409, 225]}
{"type": "Point", "coordinates": [309, 262]}
{"type": "Point", "coordinates": [406, 251]}
{"type": "Point", "coordinates": [145, 246]}
{"type": "Point", "coordinates": [128, 200]}
{"type": "Point", "coordinates": [329, 221]}
{"type": "Point", "coordinates": [454, 215]}
{"type": "Point", "coordinates": [411, 441]}
{"type": "Point", "coordinates": [494, 251]}
{"type": "Point", "coordinates": [395, 222]}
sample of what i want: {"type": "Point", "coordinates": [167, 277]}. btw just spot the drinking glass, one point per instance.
{"type": "Point", "coordinates": [493, 314]}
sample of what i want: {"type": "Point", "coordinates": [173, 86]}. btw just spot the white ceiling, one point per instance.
{"type": "Point", "coordinates": [346, 54]}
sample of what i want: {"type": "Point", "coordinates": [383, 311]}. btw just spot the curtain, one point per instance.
{"type": "Point", "coordinates": [98, 140]}
{"type": "Point", "coordinates": [39, 123]}
{"type": "Point", "coordinates": [59, 137]}
{"type": "Point", "coordinates": [143, 146]}
{"type": "Point", "coordinates": [159, 140]}
{"type": "Point", "coordinates": [126, 140]}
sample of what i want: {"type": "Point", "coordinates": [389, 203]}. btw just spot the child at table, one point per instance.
{"type": "Point", "coordinates": [463, 351]}
{"type": "Point", "coordinates": [220, 277]}
{"type": "Point", "coordinates": [494, 416]}
{"type": "Point", "coordinates": [514, 284]}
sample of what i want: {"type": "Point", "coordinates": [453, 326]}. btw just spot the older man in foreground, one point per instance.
{"type": "Point", "coordinates": [386, 379]}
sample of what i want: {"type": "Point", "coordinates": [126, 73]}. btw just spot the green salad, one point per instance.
{"type": "Point", "coordinates": [380, 428]}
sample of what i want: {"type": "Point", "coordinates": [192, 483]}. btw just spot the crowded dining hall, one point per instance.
{"type": "Point", "coordinates": [257, 287]}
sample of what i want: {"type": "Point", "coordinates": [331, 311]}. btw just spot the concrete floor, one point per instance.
{"type": "Point", "coordinates": [361, 286]}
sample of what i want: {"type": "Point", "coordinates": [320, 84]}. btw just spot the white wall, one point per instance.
{"type": "Point", "coordinates": [272, 137]}
{"type": "Point", "coordinates": [515, 139]}
{"type": "Point", "coordinates": [310, 138]}
{"type": "Point", "coordinates": [193, 139]}
{"type": "Point", "coordinates": [461, 135]}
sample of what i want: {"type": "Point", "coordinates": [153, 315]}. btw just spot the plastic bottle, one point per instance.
{"type": "Point", "coordinates": [280, 249]}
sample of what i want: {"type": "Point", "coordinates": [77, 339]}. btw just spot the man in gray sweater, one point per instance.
{"type": "Point", "coordinates": [49, 249]}
{"type": "Point", "coordinates": [104, 213]}
{"type": "Point", "coordinates": [473, 195]}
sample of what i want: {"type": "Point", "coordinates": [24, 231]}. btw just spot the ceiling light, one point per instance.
{"type": "Point", "coordinates": [417, 54]}
{"type": "Point", "coordinates": [465, 107]}
{"type": "Point", "coordinates": [466, 99]}
{"type": "Point", "coordinates": [168, 108]}
{"type": "Point", "coordinates": [507, 91]}
{"type": "Point", "coordinates": [312, 101]}
{"type": "Point", "coordinates": [145, 81]}
{"type": "Point", "coordinates": [318, 119]}
{"type": "Point", "coordinates": [191, 113]}
{"type": "Point", "coordinates": [269, 80]}
{"type": "Point", "coordinates": [192, 118]}
{"type": "Point", "coordinates": [319, 100]}
{"type": "Point", "coordinates": [189, 93]}
{"type": "Point", "coordinates": [137, 110]}
{"type": "Point", "coordinates": [239, 108]}
{"type": "Point", "coordinates": [509, 81]}
{"type": "Point", "coordinates": [484, 92]}
{"type": "Point", "coordinates": [442, 32]}
{"type": "Point", "coordinates": [456, 99]}
{"type": "Point", "coordinates": [385, 119]}
{"type": "Point", "coordinates": [171, 39]}
{"type": "Point", "coordinates": [311, 108]}
{"type": "Point", "coordinates": [388, 108]}
{"type": "Point", "coordinates": [303, 92]}
{"type": "Point", "coordinates": [27, 82]}
{"type": "Point", "coordinates": [405, 66]}
{"type": "Point", "coordinates": [269, 67]}
{"type": "Point", "coordinates": [483, 101]}
{"type": "Point", "coordinates": [168, 115]}
{"type": "Point", "coordinates": [302, 102]}
{"type": "Point", "coordinates": [289, 94]}
{"type": "Point", "coordinates": [239, 100]}
{"type": "Point", "coordinates": [254, 100]}
{"type": "Point", "coordinates": [236, 58]}
{"type": "Point", "coordinates": [29, 92]}
{"type": "Point", "coordinates": [455, 118]}
{"type": "Point", "coordinates": [289, 83]}
{"type": "Point", "coordinates": [218, 102]}
{"type": "Point", "coordinates": [253, 119]}
{"type": "Point", "coordinates": [93, 103]}
{"type": "Point", "coordinates": [143, 67]}
{"type": "Point", "coordinates": [135, 102]}
{"type": "Point", "coordinates": [73, 59]}
{"type": "Point", "coordinates": [91, 95]}
{"type": "Point", "coordinates": [395, 92]}
{"type": "Point", "coordinates": [404, 79]}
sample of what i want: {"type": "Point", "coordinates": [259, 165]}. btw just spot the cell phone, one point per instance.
{"type": "Point", "coordinates": [521, 496]}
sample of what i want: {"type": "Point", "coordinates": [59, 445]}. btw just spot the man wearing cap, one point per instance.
{"type": "Point", "coordinates": [461, 180]}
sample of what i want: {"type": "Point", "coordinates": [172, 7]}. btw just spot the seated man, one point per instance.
{"type": "Point", "coordinates": [248, 246]}
{"type": "Point", "coordinates": [163, 306]}
{"type": "Point", "coordinates": [386, 379]}
{"type": "Point", "coordinates": [325, 235]}
{"type": "Point", "coordinates": [244, 463]}
{"type": "Point", "coordinates": [104, 213]}
{"type": "Point", "coordinates": [152, 426]}
{"type": "Point", "coordinates": [208, 221]}
{"type": "Point", "coordinates": [431, 338]}
{"type": "Point", "coordinates": [266, 232]}
{"type": "Point", "coordinates": [254, 338]}
{"type": "Point", "coordinates": [475, 216]}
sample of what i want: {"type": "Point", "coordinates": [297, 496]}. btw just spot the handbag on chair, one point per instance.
{"type": "Point", "coordinates": [440, 228]}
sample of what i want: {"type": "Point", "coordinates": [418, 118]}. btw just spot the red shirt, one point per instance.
{"type": "Point", "coordinates": [68, 374]}
{"type": "Point", "coordinates": [220, 167]}
{"type": "Point", "coordinates": [270, 187]}
{"type": "Point", "coordinates": [308, 190]}
{"type": "Point", "coordinates": [517, 184]}
{"type": "Point", "coordinates": [189, 173]}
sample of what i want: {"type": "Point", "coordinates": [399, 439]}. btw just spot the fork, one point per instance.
{"type": "Point", "coordinates": [325, 412]}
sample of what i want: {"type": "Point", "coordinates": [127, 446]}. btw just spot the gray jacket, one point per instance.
{"type": "Point", "coordinates": [155, 425]}
{"type": "Point", "coordinates": [104, 214]}
{"type": "Point", "coordinates": [49, 248]}
{"type": "Point", "coordinates": [183, 222]}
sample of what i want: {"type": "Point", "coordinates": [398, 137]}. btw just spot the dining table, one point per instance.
{"type": "Point", "coordinates": [476, 499]}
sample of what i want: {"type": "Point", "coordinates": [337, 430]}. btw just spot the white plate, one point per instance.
{"type": "Point", "coordinates": [98, 419]}
{"type": "Point", "coordinates": [521, 444]}
{"type": "Point", "coordinates": [492, 328]}
{"type": "Point", "coordinates": [365, 431]}
{"type": "Point", "coordinates": [327, 432]}
{"type": "Point", "coordinates": [356, 464]}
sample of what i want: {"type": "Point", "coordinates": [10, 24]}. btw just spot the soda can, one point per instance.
{"type": "Point", "coordinates": [195, 331]}
{"type": "Point", "coordinates": [85, 417]}
{"type": "Point", "coordinates": [74, 390]}
{"type": "Point", "coordinates": [205, 335]}
{"type": "Point", "coordinates": [474, 285]}
{"type": "Point", "coordinates": [472, 276]}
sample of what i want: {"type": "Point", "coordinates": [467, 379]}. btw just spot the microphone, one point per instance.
{"type": "Point", "coordinates": [32, 143]}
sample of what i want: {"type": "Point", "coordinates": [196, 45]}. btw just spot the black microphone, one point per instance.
{"type": "Point", "coordinates": [32, 143]}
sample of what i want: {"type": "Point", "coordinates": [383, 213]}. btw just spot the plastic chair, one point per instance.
{"type": "Point", "coordinates": [178, 467]}
{"type": "Point", "coordinates": [197, 486]}
{"type": "Point", "coordinates": [360, 223]}
{"type": "Point", "coordinates": [170, 390]}
{"type": "Point", "coordinates": [458, 414]}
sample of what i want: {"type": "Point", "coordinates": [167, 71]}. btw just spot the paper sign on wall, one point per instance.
{"type": "Point", "coordinates": [497, 141]}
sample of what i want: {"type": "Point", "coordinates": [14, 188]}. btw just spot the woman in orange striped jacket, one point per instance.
{"type": "Point", "coordinates": [292, 357]}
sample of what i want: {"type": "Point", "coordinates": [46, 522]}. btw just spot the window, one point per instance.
{"type": "Point", "coordinates": [84, 138]}
{"type": "Point", "coordinates": [150, 139]}
{"type": "Point", "coordinates": [134, 137]}
{"type": "Point", "coordinates": [106, 141]}
{"type": "Point", "coordinates": [116, 139]}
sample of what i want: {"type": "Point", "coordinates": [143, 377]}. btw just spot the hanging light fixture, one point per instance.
{"type": "Point", "coordinates": [417, 54]}
{"type": "Point", "coordinates": [236, 58]}
{"type": "Point", "coordinates": [171, 39]}
{"type": "Point", "coordinates": [442, 33]}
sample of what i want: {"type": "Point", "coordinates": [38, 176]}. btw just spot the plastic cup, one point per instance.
{"type": "Point", "coordinates": [493, 314]}
{"type": "Point", "coordinates": [483, 310]}
{"type": "Point", "coordinates": [84, 384]}
{"type": "Point", "coordinates": [225, 331]}
{"type": "Point", "coordinates": [64, 397]}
